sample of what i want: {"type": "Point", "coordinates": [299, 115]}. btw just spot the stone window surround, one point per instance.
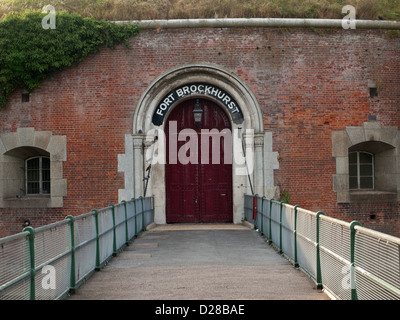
{"type": "Point", "coordinates": [12, 147]}
{"type": "Point", "coordinates": [371, 133]}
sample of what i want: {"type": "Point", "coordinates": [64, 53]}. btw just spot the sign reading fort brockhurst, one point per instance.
{"type": "Point", "coordinates": [196, 89]}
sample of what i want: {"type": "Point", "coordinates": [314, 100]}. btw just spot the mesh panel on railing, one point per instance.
{"type": "Point", "coordinates": [288, 230]}
{"type": "Point", "coordinates": [259, 214]}
{"type": "Point", "coordinates": [139, 215]}
{"type": "Point", "coordinates": [130, 207]}
{"type": "Point", "coordinates": [334, 239]}
{"type": "Point", "coordinates": [275, 222]}
{"type": "Point", "coordinates": [266, 216]}
{"type": "Point", "coordinates": [15, 267]}
{"type": "Point", "coordinates": [120, 229]}
{"type": "Point", "coordinates": [306, 241]}
{"type": "Point", "coordinates": [148, 210]}
{"type": "Point", "coordinates": [248, 208]}
{"type": "Point", "coordinates": [377, 261]}
{"type": "Point", "coordinates": [53, 248]}
{"type": "Point", "coordinates": [105, 223]}
{"type": "Point", "coordinates": [85, 244]}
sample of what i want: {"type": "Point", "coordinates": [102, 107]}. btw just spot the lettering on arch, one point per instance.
{"type": "Point", "coordinates": [205, 89]}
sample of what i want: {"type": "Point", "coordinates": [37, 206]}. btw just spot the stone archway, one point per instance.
{"type": "Point", "coordinates": [250, 127]}
{"type": "Point", "coordinates": [191, 74]}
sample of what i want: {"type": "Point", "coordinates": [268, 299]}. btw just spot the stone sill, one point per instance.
{"type": "Point", "coordinates": [31, 196]}
{"type": "Point", "coordinates": [372, 196]}
{"type": "Point", "coordinates": [43, 201]}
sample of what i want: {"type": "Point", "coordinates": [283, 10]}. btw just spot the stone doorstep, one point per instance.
{"type": "Point", "coordinates": [200, 226]}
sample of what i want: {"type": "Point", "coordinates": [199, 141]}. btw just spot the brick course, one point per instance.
{"type": "Point", "coordinates": [308, 83]}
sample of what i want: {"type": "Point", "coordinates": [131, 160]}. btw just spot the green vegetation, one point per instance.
{"type": "Point", "coordinates": [285, 196]}
{"type": "Point", "coordinates": [185, 9]}
{"type": "Point", "coordinates": [29, 53]}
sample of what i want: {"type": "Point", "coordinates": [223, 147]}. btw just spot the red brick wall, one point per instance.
{"type": "Point", "coordinates": [307, 83]}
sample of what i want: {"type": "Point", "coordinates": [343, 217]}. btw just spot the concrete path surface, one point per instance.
{"type": "Point", "coordinates": [199, 262]}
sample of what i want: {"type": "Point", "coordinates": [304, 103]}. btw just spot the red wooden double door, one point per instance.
{"type": "Point", "coordinates": [198, 191]}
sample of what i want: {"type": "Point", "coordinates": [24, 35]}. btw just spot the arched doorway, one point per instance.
{"type": "Point", "coordinates": [198, 173]}
{"type": "Point", "coordinates": [133, 162]}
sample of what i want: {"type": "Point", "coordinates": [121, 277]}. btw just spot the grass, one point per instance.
{"type": "Point", "coordinates": [189, 9]}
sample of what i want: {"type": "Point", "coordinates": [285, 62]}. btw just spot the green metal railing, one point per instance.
{"type": "Point", "coordinates": [345, 259]}
{"type": "Point", "coordinates": [50, 262]}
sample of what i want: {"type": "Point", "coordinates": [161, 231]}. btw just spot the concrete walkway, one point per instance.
{"type": "Point", "coordinates": [199, 262]}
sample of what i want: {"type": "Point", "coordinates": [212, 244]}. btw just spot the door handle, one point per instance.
{"type": "Point", "coordinates": [223, 194]}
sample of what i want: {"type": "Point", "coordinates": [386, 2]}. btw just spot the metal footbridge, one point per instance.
{"type": "Point", "coordinates": [279, 252]}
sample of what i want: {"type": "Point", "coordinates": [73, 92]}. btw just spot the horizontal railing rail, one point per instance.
{"type": "Point", "coordinates": [51, 261]}
{"type": "Point", "coordinates": [347, 260]}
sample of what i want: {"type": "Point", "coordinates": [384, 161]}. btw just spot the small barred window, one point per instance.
{"type": "Point", "coordinates": [361, 170]}
{"type": "Point", "coordinates": [37, 175]}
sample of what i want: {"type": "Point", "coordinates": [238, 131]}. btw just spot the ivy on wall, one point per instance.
{"type": "Point", "coordinates": [29, 53]}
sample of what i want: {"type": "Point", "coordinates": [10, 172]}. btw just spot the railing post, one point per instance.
{"type": "Point", "coordinates": [352, 270]}
{"type": "Point", "coordinates": [280, 226]}
{"type": "Point", "coordinates": [72, 275]}
{"type": "Point", "coordinates": [31, 238]}
{"type": "Point", "coordinates": [96, 219]}
{"type": "Point", "coordinates": [126, 223]}
{"type": "Point", "coordinates": [318, 275]}
{"type": "Point", "coordinates": [296, 263]}
{"type": "Point", "coordinates": [114, 230]}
